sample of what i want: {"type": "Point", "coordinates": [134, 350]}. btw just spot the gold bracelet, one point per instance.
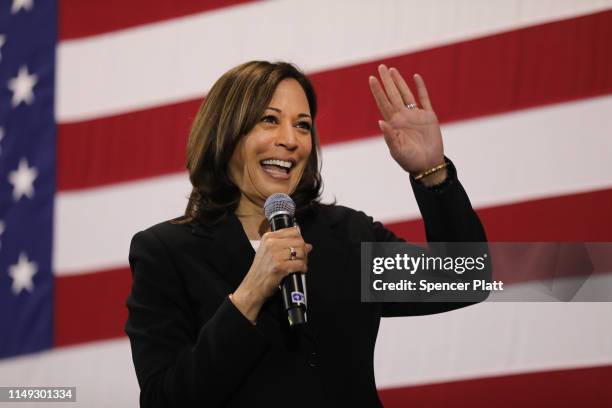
{"type": "Point", "coordinates": [430, 171]}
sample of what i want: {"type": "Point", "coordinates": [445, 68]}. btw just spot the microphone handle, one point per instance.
{"type": "Point", "coordinates": [280, 221]}
{"type": "Point", "coordinates": [292, 286]}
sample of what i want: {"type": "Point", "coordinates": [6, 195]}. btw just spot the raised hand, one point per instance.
{"type": "Point", "coordinates": [412, 133]}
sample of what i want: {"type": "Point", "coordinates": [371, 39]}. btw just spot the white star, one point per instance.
{"type": "Point", "coordinates": [22, 180]}
{"type": "Point", "coordinates": [21, 4]}
{"type": "Point", "coordinates": [22, 273]}
{"type": "Point", "coordinates": [2, 41]}
{"type": "Point", "coordinates": [22, 86]}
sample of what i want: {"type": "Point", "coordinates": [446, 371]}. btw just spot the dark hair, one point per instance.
{"type": "Point", "coordinates": [231, 109]}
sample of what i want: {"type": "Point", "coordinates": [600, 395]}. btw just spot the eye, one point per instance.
{"type": "Point", "coordinates": [304, 125]}
{"type": "Point", "coordinates": [269, 119]}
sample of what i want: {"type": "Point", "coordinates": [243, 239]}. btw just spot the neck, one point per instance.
{"type": "Point", "coordinates": [252, 218]}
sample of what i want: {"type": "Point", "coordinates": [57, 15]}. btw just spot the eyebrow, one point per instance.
{"type": "Point", "coordinates": [300, 115]}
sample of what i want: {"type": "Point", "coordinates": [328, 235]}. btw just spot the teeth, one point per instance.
{"type": "Point", "coordinates": [281, 163]}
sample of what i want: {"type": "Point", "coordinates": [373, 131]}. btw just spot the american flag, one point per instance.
{"type": "Point", "coordinates": [96, 99]}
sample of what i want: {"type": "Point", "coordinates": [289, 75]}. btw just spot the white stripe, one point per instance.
{"type": "Point", "coordinates": [108, 217]}
{"type": "Point", "coordinates": [555, 150]}
{"type": "Point", "coordinates": [102, 373]}
{"type": "Point", "coordinates": [596, 287]}
{"type": "Point", "coordinates": [179, 59]}
{"type": "Point", "coordinates": [492, 339]}
{"type": "Point", "coordinates": [476, 342]}
{"type": "Point", "coordinates": [548, 151]}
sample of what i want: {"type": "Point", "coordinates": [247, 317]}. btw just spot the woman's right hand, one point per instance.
{"type": "Point", "coordinates": [271, 264]}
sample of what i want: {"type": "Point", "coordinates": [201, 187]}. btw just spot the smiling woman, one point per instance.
{"type": "Point", "coordinates": [271, 158]}
{"type": "Point", "coordinates": [257, 111]}
{"type": "Point", "coordinates": [206, 320]}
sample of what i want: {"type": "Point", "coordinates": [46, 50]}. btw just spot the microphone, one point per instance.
{"type": "Point", "coordinates": [279, 209]}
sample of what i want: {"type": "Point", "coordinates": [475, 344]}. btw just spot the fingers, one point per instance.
{"type": "Point", "coordinates": [286, 264]}
{"type": "Point", "coordinates": [280, 254]}
{"type": "Point", "coordinates": [392, 92]}
{"type": "Point", "coordinates": [396, 93]}
{"type": "Point", "coordinates": [298, 263]}
{"type": "Point", "coordinates": [404, 89]}
{"type": "Point", "coordinates": [292, 266]}
{"type": "Point", "coordinates": [301, 252]}
{"type": "Point", "coordinates": [422, 91]}
{"type": "Point", "coordinates": [384, 106]}
{"type": "Point", "coordinates": [281, 242]}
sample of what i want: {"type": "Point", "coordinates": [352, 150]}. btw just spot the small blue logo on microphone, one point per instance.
{"type": "Point", "coordinates": [298, 297]}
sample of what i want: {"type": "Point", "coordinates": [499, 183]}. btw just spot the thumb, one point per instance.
{"type": "Point", "coordinates": [387, 131]}
{"type": "Point", "coordinates": [385, 127]}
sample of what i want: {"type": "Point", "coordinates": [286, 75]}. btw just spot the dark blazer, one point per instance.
{"type": "Point", "coordinates": [192, 347]}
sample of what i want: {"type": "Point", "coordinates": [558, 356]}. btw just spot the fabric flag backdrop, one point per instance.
{"type": "Point", "coordinates": [96, 99]}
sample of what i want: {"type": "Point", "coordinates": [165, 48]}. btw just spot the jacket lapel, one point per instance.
{"type": "Point", "coordinates": [325, 265]}
{"type": "Point", "coordinates": [231, 255]}
{"type": "Point", "coordinates": [230, 252]}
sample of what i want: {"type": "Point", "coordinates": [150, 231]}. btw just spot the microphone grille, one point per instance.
{"type": "Point", "coordinates": [279, 203]}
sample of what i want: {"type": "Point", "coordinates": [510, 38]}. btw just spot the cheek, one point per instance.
{"type": "Point", "coordinates": [255, 143]}
{"type": "Point", "coordinates": [308, 149]}
{"type": "Point", "coordinates": [236, 165]}
{"type": "Point", "coordinates": [307, 146]}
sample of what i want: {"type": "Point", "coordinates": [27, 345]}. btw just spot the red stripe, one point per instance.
{"type": "Point", "coordinates": [535, 66]}
{"type": "Point", "coordinates": [125, 147]}
{"type": "Point", "coordinates": [92, 306]}
{"type": "Point", "coordinates": [584, 387]}
{"type": "Point", "coordinates": [577, 217]}
{"type": "Point", "coordinates": [84, 18]}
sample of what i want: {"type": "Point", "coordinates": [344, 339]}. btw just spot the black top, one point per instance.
{"type": "Point", "coordinates": [192, 347]}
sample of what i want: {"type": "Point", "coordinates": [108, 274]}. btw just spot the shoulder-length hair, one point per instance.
{"type": "Point", "coordinates": [234, 105]}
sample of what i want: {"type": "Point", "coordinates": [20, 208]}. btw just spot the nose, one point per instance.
{"type": "Point", "coordinates": [286, 137]}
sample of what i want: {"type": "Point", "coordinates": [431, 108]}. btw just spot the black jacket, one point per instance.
{"type": "Point", "coordinates": [192, 347]}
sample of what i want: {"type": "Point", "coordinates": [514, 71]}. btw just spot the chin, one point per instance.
{"type": "Point", "coordinates": [269, 190]}
{"type": "Point", "coordinates": [269, 185]}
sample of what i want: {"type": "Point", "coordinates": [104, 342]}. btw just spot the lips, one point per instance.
{"type": "Point", "coordinates": [277, 168]}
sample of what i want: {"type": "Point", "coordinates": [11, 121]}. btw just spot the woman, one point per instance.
{"type": "Point", "coordinates": [206, 322]}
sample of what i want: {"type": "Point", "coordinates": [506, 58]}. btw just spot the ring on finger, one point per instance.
{"type": "Point", "coordinates": [292, 253]}
{"type": "Point", "coordinates": [411, 106]}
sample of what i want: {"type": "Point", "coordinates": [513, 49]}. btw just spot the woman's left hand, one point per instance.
{"type": "Point", "coordinates": [412, 134]}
